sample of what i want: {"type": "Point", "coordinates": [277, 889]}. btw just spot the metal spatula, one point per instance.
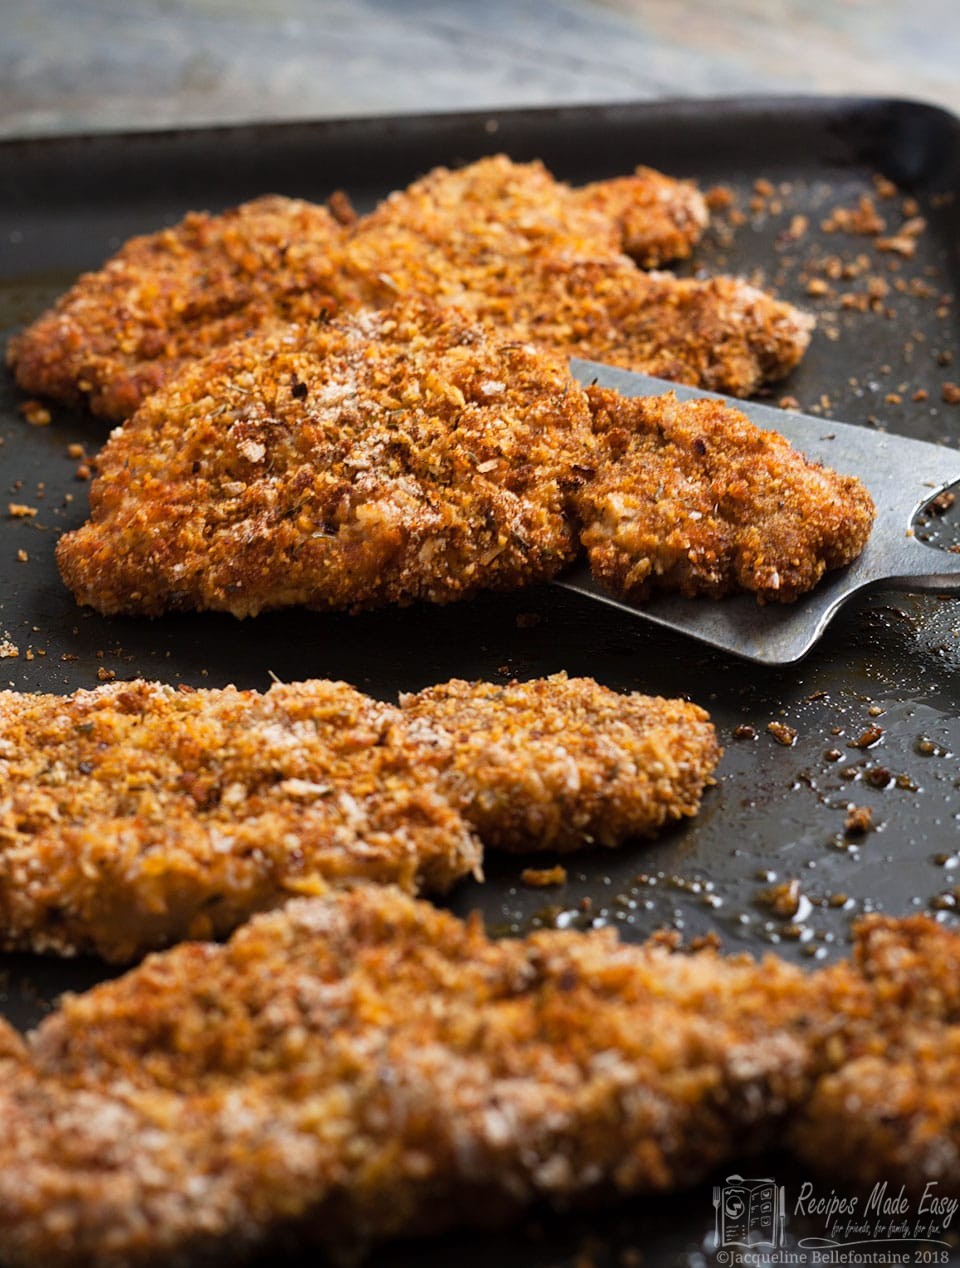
{"type": "Point", "coordinates": [902, 476]}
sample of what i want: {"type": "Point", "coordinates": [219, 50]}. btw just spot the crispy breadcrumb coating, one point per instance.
{"type": "Point", "coordinates": [494, 239]}
{"type": "Point", "coordinates": [721, 333]}
{"type": "Point", "coordinates": [502, 240]}
{"type": "Point", "coordinates": [383, 457]}
{"type": "Point", "coordinates": [885, 1108]}
{"type": "Point", "coordinates": [361, 1066]}
{"type": "Point", "coordinates": [691, 496]}
{"type": "Point", "coordinates": [137, 814]}
{"type": "Point", "coordinates": [166, 298]}
{"type": "Point", "coordinates": [658, 219]}
{"type": "Point", "coordinates": [364, 1067]}
{"type": "Point", "coordinates": [560, 762]}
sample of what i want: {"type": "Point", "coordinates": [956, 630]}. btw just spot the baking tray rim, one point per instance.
{"type": "Point", "coordinates": [812, 104]}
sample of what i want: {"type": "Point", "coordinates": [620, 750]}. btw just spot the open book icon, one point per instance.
{"type": "Point", "coordinates": [749, 1212]}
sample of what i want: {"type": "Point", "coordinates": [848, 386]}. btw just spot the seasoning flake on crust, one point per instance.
{"type": "Point", "coordinates": [560, 762]}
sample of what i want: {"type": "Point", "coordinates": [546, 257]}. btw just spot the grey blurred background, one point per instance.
{"type": "Point", "coordinates": [77, 65]}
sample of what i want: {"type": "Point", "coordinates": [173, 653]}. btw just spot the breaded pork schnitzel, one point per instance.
{"type": "Point", "coordinates": [500, 239]}
{"type": "Point", "coordinates": [382, 457]}
{"type": "Point", "coordinates": [362, 1066]}
{"type": "Point", "coordinates": [137, 814]}
{"type": "Point", "coordinates": [691, 496]}
{"type": "Point", "coordinates": [560, 762]}
{"type": "Point", "coordinates": [368, 1067]}
{"type": "Point", "coordinates": [166, 298]}
{"type": "Point", "coordinates": [495, 239]}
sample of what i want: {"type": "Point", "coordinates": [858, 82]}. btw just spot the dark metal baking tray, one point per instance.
{"type": "Point", "coordinates": [890, 660]}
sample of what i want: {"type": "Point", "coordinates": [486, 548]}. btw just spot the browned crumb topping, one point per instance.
{"type": "Point", "coordinates": [137, 814]}
{"type": "Point", "coordinates": [691, 496]}
{"type": "Point", "coordinates": [167, 298]}
{"type": "Point", "coordinates": [504, 241]}
{"type": "Point", "coordinates": [951, 393]}
{"type": "Point", "coordinates": [383, 457]}
{"type": "Point", "coordinates": [559, 762]}
{"type": "Point", "coordinates": [359, 1068]}
{"type": "Point", "coordinates": [885, 1105]}
{"type": "Point", "coordinates": [509, 245]}
{"type": "Point", "coordinates": [364, 1066]}
{"type": "Point", "coordinates": [656, 218]}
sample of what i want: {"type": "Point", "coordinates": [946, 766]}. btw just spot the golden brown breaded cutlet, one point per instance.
{"type": "Point", "coordinates": [366, 1067]}
{"type": "Point", "coordinates": [361, 1066]}
{"type": "Point", "coordinates": [560, 762]}
{"type": "Point", "coordinates": [501, 239]}
{"type": "Point", "coordinates": [496, 240]}
{"type": "Point", "coordinates": [381, 457]}
{"type": "Point", "coordinates": [166, 298]}
{"type": "Point", "coordinates": [691, 496]}
{"type": "Point", "coordinates": [137, 814]}
{"type": "Point", "coordinates": [885, 1107]}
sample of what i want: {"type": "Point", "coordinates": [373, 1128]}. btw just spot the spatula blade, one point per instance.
{"type": "Point", "coordinates": [902, 475]}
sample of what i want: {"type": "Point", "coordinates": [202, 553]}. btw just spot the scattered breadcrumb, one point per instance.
{"type": "Point", "coordinates": [862, 219]}
{"type": "Point", "coordinates": [783, 899]}
{"type": "Point", "coordinates": [941, 503]}
{"type": "Point", "coordinates": [783, 734]}
{"type": "Point", "coordinates": [541, 877]}
{"type": "Point", "coordinates": [18, 511]}
{"type": "Point", "coordinates": [36, 414]}
{"type": "Point", "coordinates": [858, 821]}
